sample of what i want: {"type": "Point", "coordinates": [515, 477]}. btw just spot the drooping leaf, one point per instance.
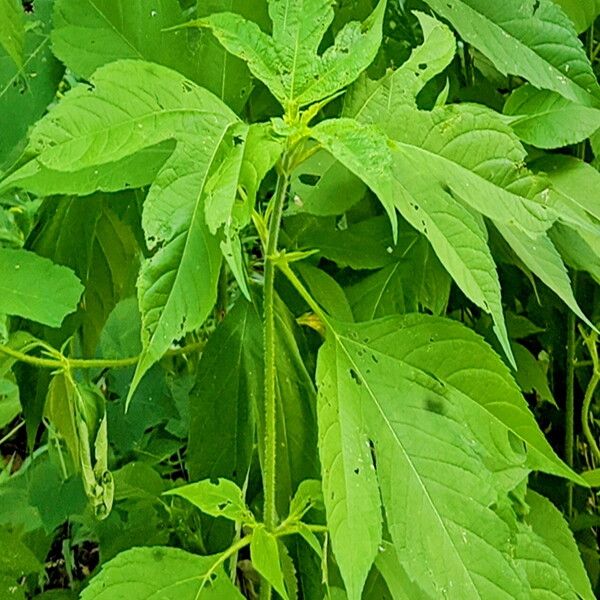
{"type": "Point", "coordinates": [548, 120]}
{"type": "Point", "coordinates": [374, 385]}
{"type": "Point", "coordinates": [105, 256]}
{"type": "Point", "coordinates": [35, 288]}
{"type": "Point", "coordinates": [264, 553]}
{"type": "Point", "coordinates": [228, 385]}
{"type": "Point", "coordinates": [548, 523]}
{"type": "Point", "coordinates": [166, 573]}
{"type": "Point", "coordinates": [288, 61]}
{"type": "Point", "coordinates": [221, 499]}
{"type": "Point", "coordinates": [133, 171]}
{"type": "Point", "coordinates": [530, 38]}
{"type": "Point", "coordinates": [12, 30]}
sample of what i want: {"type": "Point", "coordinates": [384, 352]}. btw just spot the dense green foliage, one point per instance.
{"type": "Point", "coordinates": [298, 299]}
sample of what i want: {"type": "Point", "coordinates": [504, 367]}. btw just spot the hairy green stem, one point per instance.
{"type": "Point", "coordinates": [270, 466]}
{"type": "Point", "coordinates": [270, 457]}
{"type": "Point", "coordinates": [93, 363]}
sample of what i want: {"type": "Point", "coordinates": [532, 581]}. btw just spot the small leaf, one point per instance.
{"type": "Point", "coordinates": [264, 552]}
{"type": "Point", "coordinates": [35, 288]}
{"type": "Point", "coordinates": [326, 291]}
{"type": "Point", "coordinates": [592, 477]}
{"type": "Point", "coordinates": [221, 499]}
{"type": "Point", "coordinates": [308, 495]}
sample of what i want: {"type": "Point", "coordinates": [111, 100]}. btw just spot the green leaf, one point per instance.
{"type": "Point", "coordinates": [18, 559]}
{"type": "Point", "coordinates": [582, 12]}
{"type": "Point", "coordinates": [398, 582]}
{"type": "Point", "coordinates": [12, 30]}
{"type": "Point", "coordinates": [92, 33]}
{"type": "Point", "coordinates": [288, 61]}
{"type": "Point", "coordinates": [26, 90]}
{"type": "Point", "coordinates": [416, 280]}
{"type": "Point", "coordinates": [336, 188]}
{"type": "Point", "coordinates": [530, 38]}
{"type": "Point", "coordinates": [530, 374]}
{"type": "Point", "coordinates": [574, 184]}
{"type": "Point", "coordinates": [548, 523]}
{"type": "Point", "coordinates": [221, 499]}
{"type": "Point", "coordinates": [579, 249]}
{"type": "Point", "coordinates": [105, 256]}
{"type": "Point", "coordinates": [133, 171]}
{"type": "Point", "coordinates": [116, 118]}
{"type": "Point", "coordinates": [375, 384]}
{"type": "Point", "coordinates": [592, 477]}
{"type": "Point", "coordinates": [166, 573]}
{"type": "Point", "coordinates": [548, 120]}
{"type": "Point", "coordinates": [540, 255]}
{"type": "Point", "coordinates": [366, 244]}
{"type": "Point", "coordinates": [546, 577]}
{"type": "Point", "coordinates": [308, 495]}
{"type": "Point", "coordinates": [326, 291]}
{"type": "Point", "coordinates": [35, 288]}
{"type": "Point", "coordinates": [322, 186]}
{"type": "Point", "coordinates": [228, 386]}
{"type": "Point", "coordinates": [453, 231]}
{"type": "Point", "coordinates": [378, 295]}
{"type": "Point", "coordinates": [264, 553]}
{"type": "Point", "coordinates": [379, 101]}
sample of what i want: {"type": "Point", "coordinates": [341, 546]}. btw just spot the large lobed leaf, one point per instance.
{"type": "Point", "coordinates": [131, 106]}
{"type": "Point", "coordinates": [408, 386]}
{"type": "Point", "coordinates": [288, 62]}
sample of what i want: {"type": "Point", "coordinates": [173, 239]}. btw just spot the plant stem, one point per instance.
{"type": "Point", "coordinates": [12, 432]}
{"type": "Point", "coordinates": [94, 363]}
{"type": "Point", "coordinates": [570, 406]}
{"type": "Point", "coordinates": [591, 342]}
{"type": "Point", "coordinates": [270, 472]}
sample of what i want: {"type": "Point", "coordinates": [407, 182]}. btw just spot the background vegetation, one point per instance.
{"type": "Point", "coordinates": [299, 299]}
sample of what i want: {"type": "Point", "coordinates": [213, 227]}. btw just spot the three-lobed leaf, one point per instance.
{"type": "Point", "coordinates": [288, 62]}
